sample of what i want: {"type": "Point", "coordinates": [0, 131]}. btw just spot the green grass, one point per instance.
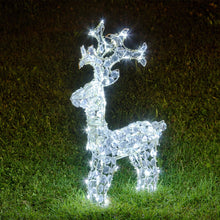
{"type": "Point", "coordinates": [42, 143]}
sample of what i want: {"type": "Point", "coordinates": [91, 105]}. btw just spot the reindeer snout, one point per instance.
{"type": "Point", "coordinates": [76, 97]}
{"type": "Point", "coordinates": [75, 102]}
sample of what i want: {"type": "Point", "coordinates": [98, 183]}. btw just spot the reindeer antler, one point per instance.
{"type": "Point", "coordinates": [115, 48]}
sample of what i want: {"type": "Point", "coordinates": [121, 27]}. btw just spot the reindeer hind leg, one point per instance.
{"type": "Point", "coordinates": [147, 171]}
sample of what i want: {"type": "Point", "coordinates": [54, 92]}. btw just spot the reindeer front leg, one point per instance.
{"type": "Point", "coordinates": [100, 177]}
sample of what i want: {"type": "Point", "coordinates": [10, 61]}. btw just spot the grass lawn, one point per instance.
{"type": "Point", "coordinates": [42, 140]}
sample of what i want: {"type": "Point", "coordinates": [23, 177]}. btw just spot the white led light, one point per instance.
{"type": "Point", "coordinates": [153, 153]}
{"type": "Point", "coordinates": [147, 173]}
{"type": "Point", "coordinates": [107, 201]}
{"type": "Point", "coordinates": [90, 163]}
{"type": "Point", "coordinates": [138, 140]}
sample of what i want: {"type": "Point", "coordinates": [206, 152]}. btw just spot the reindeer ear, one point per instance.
{"type": "Point", "coordinates": [83, 52]}
{"type": "Point", "coordinates": [110, 77]}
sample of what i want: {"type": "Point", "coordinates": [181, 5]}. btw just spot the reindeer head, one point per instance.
{"type": "Point", "coordinates": [110, 50]}
{"type": "Point", "coordinates": [91, 94]}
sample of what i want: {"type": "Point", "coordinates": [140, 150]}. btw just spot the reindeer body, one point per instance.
{"type": "Point", "coordinates": [138, 140]}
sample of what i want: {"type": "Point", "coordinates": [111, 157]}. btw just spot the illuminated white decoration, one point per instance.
{"type": "Point", "coordinates": [138, 140]}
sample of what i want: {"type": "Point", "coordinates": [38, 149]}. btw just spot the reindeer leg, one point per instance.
{"type": "Point", "coordinates": [100, 177]}
{"type": "Point", "coordinates": [147, 171]}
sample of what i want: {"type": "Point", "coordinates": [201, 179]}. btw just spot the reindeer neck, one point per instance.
{"type": "Point", "coordinates": [95, 112]}
{"type": "Point", "coordinates": [96, 122]}
{"type": "Point", "coordinates": [95, 125]}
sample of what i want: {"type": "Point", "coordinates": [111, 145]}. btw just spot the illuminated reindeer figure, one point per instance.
{"type": "Point", "coordinates": [138, 140]}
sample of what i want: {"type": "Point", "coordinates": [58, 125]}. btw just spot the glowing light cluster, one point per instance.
{"type": "Point", "coordinates": [138, 140]}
